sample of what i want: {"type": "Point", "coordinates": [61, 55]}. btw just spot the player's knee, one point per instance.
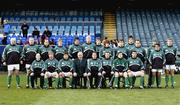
{"type": "Point", "coordinates": [121, 74]}
{"type": "Point", "coordinates": [116, 74]}
{"type": "Point", "coordinates": [99, 74]}
{"type": "Point", "coordinates": [74, 74]}
{"type": "Point", "coordinates": [129, 74]}
{"type": "Point", "coordinates": [85, 74]}
{"type": "Point", "coordinates": [42, 74]}
{"type": "Point", "coordinates": [32, 74]}
{"type": "Point", "coordinates": [112, 72]}
{"type": "Point", "coordinates": [103, 72]}
{"type": "Point", "coordinates": [125, 74]}
{"type": "Point", "coordinates": [89, 74]}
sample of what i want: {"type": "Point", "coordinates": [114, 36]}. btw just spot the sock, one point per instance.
{"type": "Point", "coordinates": [159, 80]}
{"type": "Point", "coordinates": [27, 80]}
{"type": "Point", "coordinates": [166, 79]}
{"type": "Point", "coordinates": [17, 80]}
{"type": "Point", "coordinates": [142, 81]}
{"type": "Point", "coordinates": [172, 80]}
{"type": "Point", "coordinates": [70, 81]}
{"type": "Point", "coordinates": [61, 81]}
{"type": "Point", "coordinates": [9, 78]}
{"type": "Point", "coordinates": [46, 82]}
{"type": "Point", "coordinates": [153, 79]}
{"type": "Point", "coordinates": [130, 81]}
{"type": "Point", "coordinates": [116, 81]}
{"type": "Point", "coordinates": [57, 82]}
{"type": "Point", "coordinates": [126, 82]}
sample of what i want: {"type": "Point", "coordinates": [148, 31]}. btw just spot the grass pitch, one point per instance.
{"type": "Point", "coordinates": [23, 96]}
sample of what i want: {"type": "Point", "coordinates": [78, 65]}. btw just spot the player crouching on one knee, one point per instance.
{"type": "Point", "coordinates": [135, 69]}
{"type": "Point", "coordinates": [66, 70]}
{"type": "Point", "coordinates": [120, 70]}
{"type": "Point", "coordinates": [51, 70]}
{"type": "Point", "coordinates": [37, 71]}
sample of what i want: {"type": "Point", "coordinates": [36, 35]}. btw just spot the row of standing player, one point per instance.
{"type": "Point", "coordinates": [156, 56]}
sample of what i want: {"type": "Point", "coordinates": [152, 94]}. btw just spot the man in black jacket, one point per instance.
{"type": "Point", "coordinates": [24, 29]}
{"type": "Point", "coordinates": [80, 65]}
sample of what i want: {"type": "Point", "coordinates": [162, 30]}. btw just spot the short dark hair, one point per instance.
{"type": "Point", "coordinates": [130, 37]}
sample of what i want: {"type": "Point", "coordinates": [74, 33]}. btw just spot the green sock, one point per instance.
{"type": "Point", "coordinates": [46, 82]}
{"type": "Point", "coordinates": [166, 79]}
{"type": "Point", "coordinates": [9, 78]}
{"type": "Point", "coordinates": [142, 81]}
{"type": "Point", "coordinates": [159, 80]}
{"type": "Point", "coordinates": [130, 81]}
{"type": "Point", "coordinates": [57, 82]}
{"type": "Point", "coordinates": [133, 80]}
{"type": "Point", "coordinates": [126, 82]}
{"type": "Point", "coordinates": [61, 81]}
{"type": "Point", "coordinates": [18, 80]}
{"type": "Point", "coordinates": [153, 79]}
{"type": "Point", "coordinates": [28, 80]}
{"type": "Point", "coordinates": [116, 81]}
{"type": "Point", "coordinates": [172, 80]}
{"type": "Point", "coordinates": [70, 81]}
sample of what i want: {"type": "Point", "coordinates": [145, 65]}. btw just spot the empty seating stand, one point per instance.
{"type": "Point", "coordinates": [149, 24]}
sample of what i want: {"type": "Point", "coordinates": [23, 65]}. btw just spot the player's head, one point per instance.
{"type": "Point", "coordinates": [106, 43]}
{"type": "Point", "coordinates": [51, 54]}
{"type": "Point", "coordinates": [130, 40]}
{"type": "Point", "coordinates": [76, 41]}
{"type": "Point", "coordinates": [157, 46]}
{"type": "Point", "coordinates": [98, 41]}
{"type": "Point", "coordinates": [31, 41]}
{"type": "Point", "coordinates": [107, 55]}
{"type": "Point", "coordinates": [13, 41]}
{"type": "Point", "coordinates": [154, 42]}
{"type": "Point", "coordinates": [88, 39]}
{"type": "Point", "coordinates": [134, 54]}
{"type": "Point", "coordinates": [120, 55]}
{"type": "Point", "coordinates": [80, 55]}
{"type": "Point", "coordinates": [46, 42]}
{"type": "Point", "coordinates": [121, 43]}
{"type": "Point", "coordinates": [94, 55]}
{"type": "Point", "coordinates": [38, 56]}
{"type": "Point", "coordinates": [60, 42]}
{"type": "Point", "coordinates": [66, 56]}
{"type": "Point", "coordinates": [138, 43]}
{"type": "Point", "coordinates": [169, 42]}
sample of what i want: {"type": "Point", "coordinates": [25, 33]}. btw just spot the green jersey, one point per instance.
{"type": "Point", "coordinates": [135, 64]}
{"type": "Point", "coordinates": [94, 63]}
{"type": "Point", "coordinates": [120, 64]}
{"type": "Point", "coordinates": [170, 54]}
{"type": "Point", "coordinates": [29, 53]}
{"type": "Point", "coordinates": [12, 54]}
{"type": "Point", "coordinates": [157, 59]}
{"type": "Point", "coordinates": [38, 65]}
{"type": "Point", "coordinates": [123, 50]}
{"type": "Point", "coordinates": [74, 49]}
{"type": "Point", "coordinates": [59, 52]}
{"type": "Point", "coordinates": [44, 52]}
{"type": "Point", "coordinates": [107, 62]}
{"type": "Point", "coordinates": [141, 53]}
{"type": "Point", "coordinates": [51, 65]}
{"type": "Point", "coordinates": [65, 65]}
{"type": "Point", "coordinates": [106, 50]}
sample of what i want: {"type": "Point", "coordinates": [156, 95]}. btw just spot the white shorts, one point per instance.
{"type": "Point", "coordinates": [170, 67]}
{"type": "Point", "coordinates": [137, 73]}
{"type": "Point", "coordinates": [66, 74]}
{"type": "Point", "coordinates": [13, 67]}
{"type": "Point", "coordinates": [51, 74]}
{"type": "Point", "coordinates": [28, 66]}
{"type": "Point", "coordinates": [157, 70]}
